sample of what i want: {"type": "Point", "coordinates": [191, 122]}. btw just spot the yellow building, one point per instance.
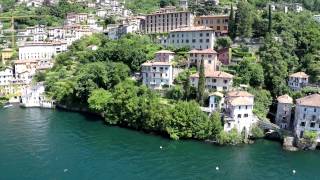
{"type": "Point", "coordinates": [217, 22]}
{"type": "Point", "coordinates": [6, 54]}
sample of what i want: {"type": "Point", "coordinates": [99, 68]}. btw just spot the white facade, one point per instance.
{"type": "Point", "coordinates": [239, 115]}
{"type": "Point", "coordinates": [307, 115]}
{"type": "Point", "coordinates": [215, 80]}
{"type": "Point", "coordinates": [6, 76]}
{"type": "Point", "coordinates": [41, 50]}
{"type": "Point", "coordinates": [157, 73]}
{"type": "Point", "coordinates": [298, 80]}
{"type": "Point", "coordinates": [216, 101]}
{"type": "Point", "coordinates": [199, 37]}
{"type": "Point", "coordinates": [34, 96]}
{"type": "Point", "coordinates": [284, 111]}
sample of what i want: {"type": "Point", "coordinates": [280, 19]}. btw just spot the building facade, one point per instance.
{"type": "Point", "coordinates": [215, 80]}
{"type": "Point", "coordinates": [167, 19]}
{"type": "Point", "coordinates": [41, 50]}
{"type": "Point", "coordinates": [239, 115]}
{"type": "Point", "coordinates": [298, 80]}
{"type": "Point", "coordinates": [159, 72]}
{"type": "Point", "coordinates": [209, 56]}
{"type": "Point", "coordinates": [193, 37]}
{"type": "Point", "coordinates": [307, 115]}
{"type": "Point", "coordinates": [219, 23]}
{"type": "Point", "coordinates": [284, 111]}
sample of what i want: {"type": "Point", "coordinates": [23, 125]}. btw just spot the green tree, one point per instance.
{"type": "Point", "coordinates": [201, 83]}
{"type": "Point", "coordinates": [231, 24]}
{"type": "Point", "coordinates": [98, 99]}
{"type": "Point", "coordinates": [215, 119]}
{"type": "Point", "coordinates": [244, 19]}
{"type": "Point", "coordinates": [223, 42]}
{"type": "Point", "coordinates": [269, 19]}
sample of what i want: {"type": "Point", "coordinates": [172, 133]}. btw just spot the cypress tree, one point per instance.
{"type": "Point", "coordinates": [201, 83]}
{"type": "Point", "coordinates": [270, 20]}
{"type": "Point", "coordinates": [232, 30]}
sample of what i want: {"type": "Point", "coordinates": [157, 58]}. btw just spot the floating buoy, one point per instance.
{"type": "Point", "coordinates": [65, 170]}
{"type": "Point", "coordinates": [293, 171]}
{"type": "Point", "coordinates": [160, 147]}
{"type": "Point", "coordinates": [217, 168]}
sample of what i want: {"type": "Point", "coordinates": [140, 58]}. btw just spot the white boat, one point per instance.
{"type": "Point", "coordinates": [7, 105]}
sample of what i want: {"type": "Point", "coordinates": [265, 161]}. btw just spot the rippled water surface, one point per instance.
{"type": "Point", "coordinates": [52, 144]}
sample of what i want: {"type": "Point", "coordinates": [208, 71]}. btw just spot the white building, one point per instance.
{"type": "Point", "coordinates": [209, 56]}
{"type": "Point", "coordinates": [214, 80]}
{"type": "Point", "coordinates": [159, 72]}
{"type": "Point", "coordinates": [298, 80]}
{"type": "Point", "coordinates": [284, 110]}
{"type": "Point", "coordinates": [199, 37]}
{"type": "Point", "coordinates": [216, 101]}
{"type": "Point", "coordinates": [6, 76]}
{"type": "Point", "coordinates": [183, 4]}
{"type": "Point", "coordinates": [307, 115]}
{"type": "Point", "coordinates": [41, 50]}
{"type": "Point", "coordinates": [317, 18]}
{"type": "Point", "coordinates": [34, 96]}
{"type": "Point", "coordinates": [239, 115]}
{"type": "Point", "coordinates": [76, 18]}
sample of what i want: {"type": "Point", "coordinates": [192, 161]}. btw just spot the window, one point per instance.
{"type": "Point", "coordinates": [246, 115]}
{"type": "Point", "coordinates": [208, 34]}
{"type": "Point", "coordinates": [305, 109]}
{"type": "Point", "coordinates": [209, 61]}
{"type": "Point", "coordinates": [304, 116]}
{"type": "Point", "coordinates": [246, 107]}
{"type": "Point", "coordinates": [229, 125]}
{"type": "Point", "coordinates": [200, 34]}
{"type": "Point", "coordinates": [314, 110]}
{"type": "Point", "coordinates": [200, 40]}
{"type": "Point", "coordinates": [312, 125]}
{"type": "Point", "coordinates": [225, 88]}
{"type": "Point", "coordinates": [193, 40]}
{"type": "Point", "coordinates": [302, 124]}
{"type": "Point", "coordinates": [239, 107]}
{"type": "Point", "coordinates": [225, 81]}
{"type": "Point", "coordinates": [239, 115]}
{"type": "Point", "coordinates": [207, 40]}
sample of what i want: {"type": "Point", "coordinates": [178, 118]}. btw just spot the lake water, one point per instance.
{"type": "Point", "coordinates": [51, 144]}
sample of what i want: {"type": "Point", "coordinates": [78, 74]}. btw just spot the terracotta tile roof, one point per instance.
{"type": "Point", "coordinates": [285, 99]}
{"type": "Point", "coordinates": [193, 28]}
{"type": "Point", "coordinates": [311, 100]}
{"type": "Point", "coordinates": [25, 61]}
{"type": "Point", "coordinates": [215, 16]}
{"type": "Point", "coordinates": [204, 51]}
{"type": "Point", "coordinates": [214, 74]}
{"type": "Point", "coordinates": [216, 94]}
{"type": "Point", "coordinates": [299, 75]}
{"type": "Point", "coordinates": [239, 94]}
{"type": "Point", "coordinates": [164, 52]}
{"type": "Point", "coordinates": [240, 101]}
{"type": "Point", "coordinates": [156, 63]}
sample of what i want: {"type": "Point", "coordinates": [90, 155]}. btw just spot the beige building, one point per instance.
{"type": "Point", "coordinates": [215, 80]}
{"type": "Point", "coordinates": [167, 19]}
{"type": "Point", "coordinates": [219, 23]}
{"type": "Point", "coordinates": [283, 116]}
{"type": "Point", "coordinates": [209, 56]}
{"type": "Point", "coordinates": [6, 54]}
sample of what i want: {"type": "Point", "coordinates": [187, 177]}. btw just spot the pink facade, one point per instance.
{"type": "Point", "coordinates": [224, 56]}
